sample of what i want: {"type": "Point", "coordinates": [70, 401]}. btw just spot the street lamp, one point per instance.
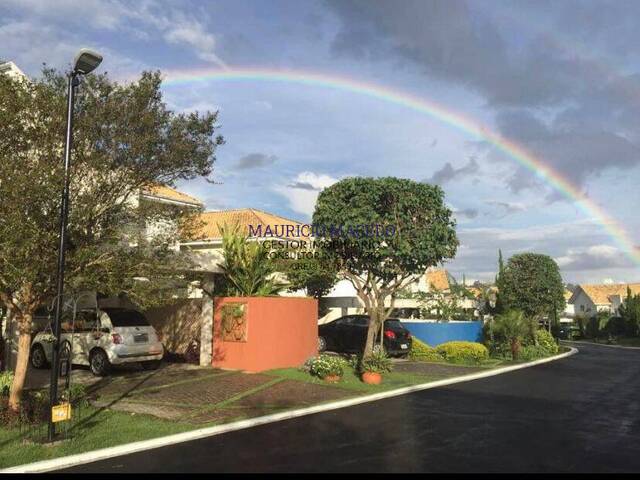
{"type": "Point", "coordinates": [85, 62]}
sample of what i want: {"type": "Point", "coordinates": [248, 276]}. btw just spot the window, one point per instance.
{"type": "Point", "coordinates": [361, 321]}
{"type": "Point", "coordinates": [126, 318]}
{"type": "Point", "coordinates": [86, 321]}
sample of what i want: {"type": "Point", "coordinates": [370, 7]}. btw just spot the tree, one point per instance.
{"type": "Point", "coordinates": [498, 304]}
{"type": "Point", "coordinates": [248, 270]}
{"type": "Point", "coordinates": [379, 233]}
{"type": "Point", "coordinates": [512, 327]}
{"type": "Point", "coordinates": [447, 305]}
{"type": "Point", "coordinates": [125, 141]}
{"type": "Point", "coordinates": [532, 283]}
{"type": "Point", "coordinates": [315, 274]}
{"type": "Point", "coordinates": [630, 313]}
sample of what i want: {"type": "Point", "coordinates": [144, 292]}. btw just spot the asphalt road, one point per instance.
{"type": "Point", "coordinates": [580, 414]}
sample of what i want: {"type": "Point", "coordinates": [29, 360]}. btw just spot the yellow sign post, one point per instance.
{"type": "Point", "coordinates": [60, 413]}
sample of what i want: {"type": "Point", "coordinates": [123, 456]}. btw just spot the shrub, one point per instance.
{"type": "Point", "coordinates": [377, 362]}
{"type": "Point", "coordinates": [513, 329]}
{"type": "Point", "coordinates": [325, 365]}
{"type": "Point", "coordinates": [422, 352]}
{"type": "Point", "coordinates": [532, 352]}
{"type": "Point", "coordinates": [76, 395]}
{"type": "Point", "coordinates": [34, 409]}
{"type": "Point", "coordinates": [6, 378]}
{"type": "Point", "coordinates": [546, 341]}
{"type": "Point", "coordinates": [463, 352]}
{"type": "Point", "coordinates": [499, 349]}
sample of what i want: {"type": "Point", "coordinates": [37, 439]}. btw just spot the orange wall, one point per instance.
{"type": "Point", "coordinates": [281, 332]}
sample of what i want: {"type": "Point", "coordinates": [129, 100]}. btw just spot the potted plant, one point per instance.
{"type": "Point", "coordinates": [373, 366]}
{"type": "Point", "coordinates": [327, 367]}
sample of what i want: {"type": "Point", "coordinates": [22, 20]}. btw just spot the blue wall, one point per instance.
{"type": "Point", "coordinates": [434, 334]}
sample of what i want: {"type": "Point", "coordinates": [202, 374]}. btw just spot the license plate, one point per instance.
{"type": "Point", "coordinates": [404, 346]}
{"type": "Point", "coordinates": [141, 338]}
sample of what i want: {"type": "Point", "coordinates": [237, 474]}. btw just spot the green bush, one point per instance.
{"type": "Point", "coordinates": [6, 379]}
{"type": "Point", "coordinates": [422, 352]}
{"type": "Point", "coordinates": [499, 349]}
{"type": "Point", "coordinates": [532, 352]}
{"type": "Point", "coordinates": [545, 340]}
{"type": "Point", "coordinates": [463, 352]}
{"type": "Point", "coordinates": [377, 362]}
{"type": "Point", "coordinates": [325, 365]}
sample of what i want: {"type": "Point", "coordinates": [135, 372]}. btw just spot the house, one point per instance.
{"type": "Point", "coordinates": [343, 298]}
{"type": "Point", "coordinates": [588, 300]}
{"type": "Point", "coordinates": [569, 309]}
{"type": "Point", "coordinates": [206, 248]}
{"type": "Point", "coordinates": [11, 69]}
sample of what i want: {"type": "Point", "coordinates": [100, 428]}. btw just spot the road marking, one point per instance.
{"type": "Point", "coordinates": [128, 448]}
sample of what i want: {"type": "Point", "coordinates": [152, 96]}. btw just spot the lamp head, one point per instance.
{"type": "Point", "coordinates": [86, 61]}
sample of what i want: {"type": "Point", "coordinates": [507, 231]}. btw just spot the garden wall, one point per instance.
{"type": "Point", "coordinates": [261, 333]}
{"type": "Point", "coordinates": [177, 324]}
{"type": "Point", "coordinates": [435, 333]}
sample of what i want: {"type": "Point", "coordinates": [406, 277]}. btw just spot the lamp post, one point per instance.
{"type": "Point", "coordinates": [85, 62]}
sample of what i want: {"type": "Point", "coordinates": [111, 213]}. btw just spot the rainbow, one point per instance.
{"type": "Point", "coordinates": [439, 112]}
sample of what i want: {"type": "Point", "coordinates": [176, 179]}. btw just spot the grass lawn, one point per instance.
{"type": "Point", "coordinates": [351, 381]}
{"type": "Point", "coordinates": [629, 341]}
{"type": "Point", "coordinates": [97, 429]}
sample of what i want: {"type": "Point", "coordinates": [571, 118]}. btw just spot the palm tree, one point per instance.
{"type": "Point", "coordinates": [247, 268]}
{"type": "Point", "coordinates": [513, 327]}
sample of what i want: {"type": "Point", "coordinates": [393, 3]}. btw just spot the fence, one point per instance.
{"type": "Point", "coordinates": [435, 333]}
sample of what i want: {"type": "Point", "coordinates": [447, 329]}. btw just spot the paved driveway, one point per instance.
{"type": "Point", "coordinates": [577, 414]}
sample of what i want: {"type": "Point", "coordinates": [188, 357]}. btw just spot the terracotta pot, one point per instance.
{"type": "Point", "coordinates": [332, 378]}
{"type": "Point", "coordinates": [372, 378]}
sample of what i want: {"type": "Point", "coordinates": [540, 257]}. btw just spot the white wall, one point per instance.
{"type": "Point", "coordinates": [583, 305]}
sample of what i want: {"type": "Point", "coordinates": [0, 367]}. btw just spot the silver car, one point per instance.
{"type": "Point", "coordinates": [101, 338]}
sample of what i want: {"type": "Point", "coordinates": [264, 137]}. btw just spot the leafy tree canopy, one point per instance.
{"type": "Point", "coordinates": [126, 140]}
{"type": "Point", "coordinates": [532, 283]}
{"type": "Point", "coordinates": [413, 231]}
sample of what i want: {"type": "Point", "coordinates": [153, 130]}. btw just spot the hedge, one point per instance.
{"type": "Point", "coordinates": [422, 352]}
{"type": "Point", "coordinates": [463, 352]}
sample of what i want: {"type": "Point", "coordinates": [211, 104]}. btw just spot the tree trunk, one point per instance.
{"type": "Point", "coordinates": [22, 362]}
{"type": "Point", "coordinates": [371, 332]}
{"type": "Point", "coordinates": [515, 349]}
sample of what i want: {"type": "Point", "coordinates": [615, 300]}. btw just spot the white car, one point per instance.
{"type": "Point", "coordinates": [101, 338]}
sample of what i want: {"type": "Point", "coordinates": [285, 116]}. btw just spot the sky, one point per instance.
{"type": "Point", "coordinates": [560, 79]}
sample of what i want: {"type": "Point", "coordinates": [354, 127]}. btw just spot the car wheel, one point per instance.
{"type": "Point", "coordinates": [151, 365]}
{"type": "Point", "coordinates": [322, 344]}
{"type": "Point", "coordinates": [38, 357]}
{"type": "Point", "coordinates": [99, 363]}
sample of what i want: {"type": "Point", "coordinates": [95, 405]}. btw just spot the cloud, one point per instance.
{"type": "Point", "coordinates": [448, 172]}
{"type": "Point", "coordinates": [64, 22]}
{"type": "Point", "coordinates": [583, 251]}
{"type": "Point", "coordinates": [194, 35]}
{"type": "Point", "coordinates": [577, 151]}
{"type": "Point", "coordinates": [303, 190]}
{"type": "Point", "coordinates": [255, 160]}
{"type": "Point", "coordinates": [469, 213]}
{"type": "Point", "coordinates": [562, 100]}
{"type": "Point", "coordinates": [507, 208]}
{"type": "Point", "coordinates": [595, 257]}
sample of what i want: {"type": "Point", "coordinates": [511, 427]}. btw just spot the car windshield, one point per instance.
{"type": "Point", "coordinates": [393, 324]}
{"type": "Point", "coordinates": [127, 318]}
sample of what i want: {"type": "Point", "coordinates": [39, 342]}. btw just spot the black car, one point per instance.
{"type": "Point", "coordinates": [348, 334]}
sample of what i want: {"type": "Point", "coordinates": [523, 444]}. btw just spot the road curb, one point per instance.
{"type": "Point", "coordinates": [111, 452]}
{"type": "Point", "coordinates": [622, 347]}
